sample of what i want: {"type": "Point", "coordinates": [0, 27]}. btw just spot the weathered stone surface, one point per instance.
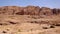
{"type": "Point", "coordinates": [29, 20]}
{"type": "Point", "coordinates": [29, 10]}
{"type": "Point", "coordinates": [56, 11]}
{"type": "Point", "coordinates": [45, 11]}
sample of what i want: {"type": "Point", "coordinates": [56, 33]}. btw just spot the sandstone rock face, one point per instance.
{"type": "Point", "coordinates": [29, 10]}
{"type": "Point", "coordinates": [56, 11]}
{"type": "Point", "coordinates": [45, 11]}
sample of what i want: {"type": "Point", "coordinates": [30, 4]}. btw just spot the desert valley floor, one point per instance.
{"type": "Point", "coordinates": [27, 24]}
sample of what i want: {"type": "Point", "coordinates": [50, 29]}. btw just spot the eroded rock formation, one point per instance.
{"type": "Point", "coordinates": [29, 10]}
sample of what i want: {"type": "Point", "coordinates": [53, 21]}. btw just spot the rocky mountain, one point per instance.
{"type": "Point", "coordinates": [28, 10]}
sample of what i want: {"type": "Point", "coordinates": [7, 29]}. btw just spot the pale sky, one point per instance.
{"type": "Point", "coordinates": [41, 3]}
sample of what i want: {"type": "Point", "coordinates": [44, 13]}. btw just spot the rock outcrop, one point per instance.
{"type": "Point", "coordinates": [29, 10]}
{"type": "Point", "coordinates": [56, 11]}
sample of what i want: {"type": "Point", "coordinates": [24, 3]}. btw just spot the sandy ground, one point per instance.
{"type": "Point", "coordinates": [26, 24]}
